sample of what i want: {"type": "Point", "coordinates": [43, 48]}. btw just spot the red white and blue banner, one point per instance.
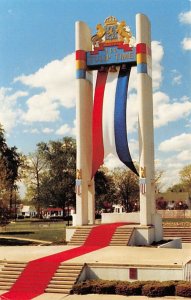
{"type": "Point", "coordinates": [109, 118]}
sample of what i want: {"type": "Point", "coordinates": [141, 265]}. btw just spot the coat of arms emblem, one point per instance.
{"type": "Point", "coordinates": [112, 31]}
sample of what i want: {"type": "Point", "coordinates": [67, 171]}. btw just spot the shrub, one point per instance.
{"type": "Point", "coordinates": [83, 288]}
{"type": "Point", "coordinates": [128, 288]}
{"type": "Point", "coordinates": [158, 289]}
{"type": "Point", "coordinates": [183, 289]}
{"type": "Point", "coordinates": [145, 288]}
{"type": "Point", "coordinates": [104, 287]}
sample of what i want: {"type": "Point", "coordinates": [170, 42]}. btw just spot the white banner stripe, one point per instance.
{"type": "Point", "coordinates": [108, 114]}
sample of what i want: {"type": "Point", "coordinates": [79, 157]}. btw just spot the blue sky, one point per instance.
{"type": "Point", "coordinates": [37, 73]}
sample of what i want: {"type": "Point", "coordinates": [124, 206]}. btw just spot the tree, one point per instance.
{"type": "Point", "coordinates": [10, 161]}
{"type": "Point", "coordinates": [185, 177]}
{"type": "Point", "coordinates": [127, 188]}
{"type": "Point", "coordinates": [177, 188]}
{"type": "Point", "coordinates": [53, 174]}
{"type": "Point", "coordinates": [158, 176]}
{"type": "Point", "coordinates": [61, 156]}
{"type": "Point", "coordinates": [104, 190]}
{"type": "Point", "coordinates": [35, 168]}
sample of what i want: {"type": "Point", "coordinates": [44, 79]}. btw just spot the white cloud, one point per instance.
{"type": "Point", "coordinates": [41, 108]}
{"type": "Point", "coordinates": [184, 155]}
{"type": "Point", "coordinates": [185, 17]}
{"type": "Point", "coordinates": [177, 77]}
{"type": "Point", "coordinates": [171, 175]}
{"type": "Point", "coordinates": [64, 129]}
{"type": "Point", "coordinates": [172, 167]}
{"type": "Point", "coordinates": [74, 128]}
{"type": "Point", "coordinates": [132, 113]}
{"type": "Point", "coordinates": [177, 143]}
{"type": "Point", "coordinates": [67, 130]}
{"type": "Point", "coordinates": [10, 112]}
{"type": "Point", "coordinates": [166, 112]}
{"type": "Point", "coordinates": [157, 69]}
{"type": "Point", "coordinates": [186, 44]}
{"type": "Point", "coordinates": [34, 131]}
{"type": "Point", "coordinates": [57, 81]}
{"type": "Point", "coordinates": [132, 103]}
{"type": "Point", "coordinates": [47, 130]}
{"type": "Point", "coordinates": [179, 148]}
{"type": "Point", "coordinates": [112, 162]}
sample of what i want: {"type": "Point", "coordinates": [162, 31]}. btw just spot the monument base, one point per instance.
{"type": "Point", "coordinates": [142, 235]}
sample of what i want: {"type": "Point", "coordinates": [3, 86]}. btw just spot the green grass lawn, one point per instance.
{"type": "Point", "coordinates": [53, 232]}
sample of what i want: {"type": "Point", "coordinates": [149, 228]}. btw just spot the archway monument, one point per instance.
{"type": "Point", "coordinates": [101, 114]}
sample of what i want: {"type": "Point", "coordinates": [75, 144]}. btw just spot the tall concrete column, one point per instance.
{"type": "Point", "coordinates": [146, 135]}
{"type": "Point", "coordinates": [84, 104]}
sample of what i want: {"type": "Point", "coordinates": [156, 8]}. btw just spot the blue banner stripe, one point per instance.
{"type": "Point", "coordinates": [120, 127]}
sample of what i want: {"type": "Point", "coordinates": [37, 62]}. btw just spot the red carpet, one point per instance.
{"type": "Point", "coordinates": [38, 273]}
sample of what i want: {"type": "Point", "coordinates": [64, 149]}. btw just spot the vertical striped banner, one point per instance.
{"type": "Point", "coordinates": [109, 118]}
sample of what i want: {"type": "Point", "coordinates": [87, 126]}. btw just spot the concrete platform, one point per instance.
{"type": "Point", "coordinates": [112, 254]}
{"type": "Point", "coordinates": [123, 256]}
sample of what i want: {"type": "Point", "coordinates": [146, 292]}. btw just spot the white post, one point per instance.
{"type": "Point", "coordinates": [146, 136]}
{"type": "Point", "coordinates": [84, 103]}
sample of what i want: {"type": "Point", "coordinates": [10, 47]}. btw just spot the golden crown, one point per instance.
{"type": "Point", "coordinates": [110, 21]}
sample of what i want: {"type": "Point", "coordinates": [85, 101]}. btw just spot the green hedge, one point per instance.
{"type": "Point", "coordinates": [136, 288]}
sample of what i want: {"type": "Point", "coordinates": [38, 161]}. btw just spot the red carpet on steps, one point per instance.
{"type": "Point", "coordinates": [38, 273]}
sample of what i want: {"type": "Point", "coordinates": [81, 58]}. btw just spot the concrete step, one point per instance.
{"type": "Point", "coordinates": [79, 236]}
{"type": "Point", "coordinates": [64, 278]}
{"type": "Point", "coordinates": [7, 276]}
{"type": "Point", "coordinates": [4, 287]}
{"type": "Point", "coordinates": [121, 236]}
{"type": "Point", "coordinates": [7, 279]}
{"type": "Point", "coordinates": [118, 243]}
{"type": "Point", "coordinates": [66, 274]}
{"type": "Point", "coordinates": [182, 232]}
{"type": "Point", "coordinates": [10, 269]}
{"type": "Point", "coordinates": [60, 286]}
{"type": "Point", "coordinates": [8, 284]}
{"type": "Point", "coordinates": [9, 273]}
{"type": "Point", "coordinates": [14, 265]}
{"type": "Point", "coordinates": [6, 272]}
{"type": "Point", "coordinates": [60, 282]}
{"type": "Point", "coordinates": [69, 268]}
{"type": "Point", "coordinates": [57, 291]}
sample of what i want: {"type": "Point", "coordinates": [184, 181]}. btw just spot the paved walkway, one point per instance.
{"type": "Point", "coordinates": [101, 297]}
{"type": "Point", "coordinates": [50, 296]}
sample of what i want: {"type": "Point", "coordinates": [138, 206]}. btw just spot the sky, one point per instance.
{"type": "Point", "coordinates": [37, 73]}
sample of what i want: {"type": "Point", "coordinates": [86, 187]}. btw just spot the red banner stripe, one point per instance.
{"type": "Point", "coordinates": [97, 136]}
{"type": "Point", "coordinates": [80, 55]}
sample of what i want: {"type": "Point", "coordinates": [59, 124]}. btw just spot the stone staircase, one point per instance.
{"type": "Point", "coordinates": [182, 232]}
{"type": "Point", "coordinates": [10, 273]}
{"type": "Point", "coordinates": [64, 278]}
{"type": "Point", "coordinates": [121, 236]}
{"type": "Point", "coordinates": [80, 236]}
